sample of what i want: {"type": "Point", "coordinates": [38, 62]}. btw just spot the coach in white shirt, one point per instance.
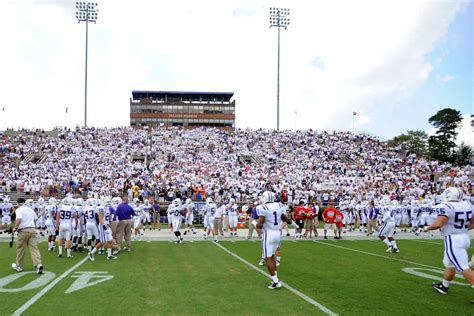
{"type": "Point", "coordinates": [25, 225]}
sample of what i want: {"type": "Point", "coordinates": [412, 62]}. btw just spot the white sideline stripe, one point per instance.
{"type": "Point", "coordinates": [295, 291]}
{"type": "Point", "coordinates": [376, 255]}
{"type": "Point", "coordinates": [427, 242]}
{"type": "Point", "coordinates": [38, 295]}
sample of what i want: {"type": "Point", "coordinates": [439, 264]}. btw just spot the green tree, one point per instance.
{"type": "Point", "coordinates": [442, 145]}
{"type": "Point", "coordinates": [464, 155]}
{"type": "Point", "coordinates": [412, 141]}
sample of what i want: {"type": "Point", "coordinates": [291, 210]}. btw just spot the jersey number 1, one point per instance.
{"type": "Point", "coordinates": [276, 220]}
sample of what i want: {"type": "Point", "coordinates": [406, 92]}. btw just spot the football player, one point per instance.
{"type": "Point", "coordinates": [454, 221]}
{"type": "Point", "coordinates": [270, 216]}
{"type": "Point", "coordinates": [175, 210]}
{"type": "Point", "coordinates": [66, 220]}
{"type": "Point", "coordinates": [189, 217]}
{"type": "Point", "coordinates": [388, 227]}
{"type": "Point", "coordinates": [233, 217]}
{"type": "Point", "coordinates": [105, 235]}
{"type": "Point", "coordinates": [79, 231]}
{"type": "Point", "coordinates": [52, 229]}
{"type": "Point", "coordinates": [91, 216]}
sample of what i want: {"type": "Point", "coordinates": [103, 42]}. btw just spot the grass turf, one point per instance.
{"type": "Point", "coordinates": [199, 278]}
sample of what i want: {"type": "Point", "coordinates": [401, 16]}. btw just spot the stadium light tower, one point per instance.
{"type": "Point", "coordinates": [279, 18]}
{"type": "Point", "coordinates": [86, 12]}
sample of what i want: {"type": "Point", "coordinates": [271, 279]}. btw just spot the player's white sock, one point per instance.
{"type": "Point", "coordinates": [275, 278]}
{"type": "Point", "coordinates": [394, 244]}
{"type": "Point", "coordinates": [109, 252]}
{"type": "Point", "coordinates": [446, 283]}
{"type": "Point", "coordinates": [94, 250]}
{"type": "Point", "coordinates": [68, 251]}
{"type": "Point", "coordinates": [387, 242]}
{"type": "Point", "coordinates": [60, 249]}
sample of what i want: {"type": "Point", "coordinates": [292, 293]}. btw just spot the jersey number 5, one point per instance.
{"type": "Point", "coordinates": [460, 222]}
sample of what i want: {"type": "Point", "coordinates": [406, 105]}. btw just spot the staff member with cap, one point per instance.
{"type": "Point", "coordinates": [25, 226]}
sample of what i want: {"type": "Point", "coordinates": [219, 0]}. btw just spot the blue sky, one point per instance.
{"type": "Point", "coordinates": [393, 62]}
{"type": "Point", "coordinates": [450, 83]}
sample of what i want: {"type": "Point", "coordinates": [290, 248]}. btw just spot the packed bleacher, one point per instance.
{"type": "Point", "coordinates": [170, 162]}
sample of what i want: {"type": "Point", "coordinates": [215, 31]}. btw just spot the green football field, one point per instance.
{"type": "Point", "coordinates": [346, 277]}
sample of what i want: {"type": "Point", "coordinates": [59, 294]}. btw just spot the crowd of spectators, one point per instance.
{"type": "Point", "coordinates": [171, 162]}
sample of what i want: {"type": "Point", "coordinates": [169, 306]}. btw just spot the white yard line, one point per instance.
{"type": "Point", "coordinates": [46, 289]}
{"type": "Point", "coordinates": [291, 289]}
{"type": "Point", "coordinates": [375, 255]}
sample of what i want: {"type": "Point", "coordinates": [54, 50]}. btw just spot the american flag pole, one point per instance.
{"type": "Point", "coordinates": [354, 113]}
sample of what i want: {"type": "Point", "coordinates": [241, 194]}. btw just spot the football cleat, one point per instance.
{"type": "Point", "coordinates": [16, 268]}
{"type": "Point", "coordinates": [91, 257]}
{"type": "Point", "coordinates": [274, 286]}
{"type": "Point", "coordinates": [278, 263]}
{"type": "Point", "coordinates": [438, 286]}
{"type": "Point", "coordinates": [261, 262]}
{"type": "Point", "coordinates": [471, 265]}
{"type": "Point", "coordinates": [60, 255]}
{"type": "Point", "coordinates": [111, 258]}
{"type": "Point", "coordinates": [396, 250]}
{"type": "Point", "coordinates": [389, 249]}
{"type": "Point", "coordinates": [70, 257]}
{"type": "Point", "coordinates": [39, 269]}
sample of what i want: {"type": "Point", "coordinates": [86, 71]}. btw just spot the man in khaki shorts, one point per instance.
{"type": "Point", "coordinates": [25, 226]}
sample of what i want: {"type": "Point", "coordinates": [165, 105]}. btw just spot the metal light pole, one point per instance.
{"type": "Point", "coordinates": [279, 18]}
{"type": "Point", "coordinates": [86, 12]}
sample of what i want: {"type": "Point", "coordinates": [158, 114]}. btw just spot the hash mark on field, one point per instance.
{"type": "Point", "coordinates": [375, 254]}
{"type": "Point", "coordinates": [291, 289]}
{"type": "Point", "coordinates": [38, 295]}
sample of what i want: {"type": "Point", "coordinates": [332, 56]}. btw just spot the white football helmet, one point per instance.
{"type": "Point", "coordinates": [452, 194]}
{"type": "Point", "coordinates": [52, 201]}
{"type": "Point", "coordinates": [80, 202]}
{"type": "Point", "coordinates": [395, 203]}
{"type": "Point", "coordinates": [67, 201]}
{"type": "Point", "coordinates": [232, 201]}
{"type": "Point", "coordinates": [30, 202]}
{"type": "Point", "coordinates": [147, 202]}
{"type": "Point", "coordinates": [188, 201]}
{"type": "Point", "coordinates": [176, 202]}
{"type": "Point", "coordinates": [41, 201]}
{"type": "Point", "coordinates": [209, 200]}
{"type": "Point", "coordinates": [6, 199]}
{"type": "Point", "coordinates": [90, 202]}
{"type": "Point", "coordinates": [267, 197]}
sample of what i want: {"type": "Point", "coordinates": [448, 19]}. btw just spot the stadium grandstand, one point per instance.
{"type": "Point", "coordinates": [214, 162]}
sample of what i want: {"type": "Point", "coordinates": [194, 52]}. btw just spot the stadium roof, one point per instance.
{"type": "Point", "coordinates": [186, 95]}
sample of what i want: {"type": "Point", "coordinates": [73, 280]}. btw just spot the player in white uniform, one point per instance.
{"type": "Point", "coordinates": [146, 209]}
{"type": "Point", "coordinates": [40, 209]}
{"type": "Point", "coordinates": [137, 220]}
{"type": "Point", "coordinates": [210, 210]}
{"type": "Point", "coordinates": [454, 221]}
{"type": "Point", "coordinates": [270, 216]}
{"type": "Point", "coordinates": [388, 227]}
{"type": "Point", "coordinates": [189, 217]}
{"type": "Point", "coordinates": [424, 213]}
{"type": "Point", "coordinates": [51, 228]}
{"type": "Point", "coordinates": [175, 210]}
{"type": "Point", "coordinates": [6, 209]}
{"type": "Point", "coordinates": [233, 217]}
{"type": "Point", "coordinates": [397, 213]}
{"type": "Point", "coordinates": [105, 233]}
{"type": "Point", "coordinates": [405, 220]}
{"type": "Point", "coordinates": [66, 220]}
{"type": "Point", "coordinates": [91, 218]}
{"type": "Point", "coordinates": [79, 231]}
{"type": "Point", "coordinates": [414, 215]}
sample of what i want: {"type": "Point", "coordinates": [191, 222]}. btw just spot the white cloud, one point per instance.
{"type": "Point", "coordinates": [466, 131]}
{"type": "Point", "coordinates": [445, 78]}
{"type": "Point", "coordinates": [334, 57]}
